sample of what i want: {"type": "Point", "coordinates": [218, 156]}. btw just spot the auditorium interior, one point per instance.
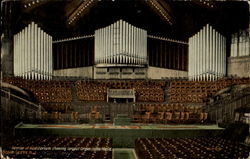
{"type": "Point", "coordinates": [125, 79]}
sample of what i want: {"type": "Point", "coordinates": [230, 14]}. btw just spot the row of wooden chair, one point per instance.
{"type": "Point", "coordinates": [45, 90]}
{"type": "Point", "coordinates": [154, 108]}
{"type": "Point", "coordinates": [199, 91]}
{"type": "Point", "coordinates": [97, 90]}
{"type": "Point", "coordinates": [52, 141]}
{"type": "Point", "coordinates": [189, 148]}
{"type": "Point", "coordinates": [60, 147]}
{"type": "Point", "coordinates": [56, 116]}
{"type": "Point", "coordinates": [170, 117]}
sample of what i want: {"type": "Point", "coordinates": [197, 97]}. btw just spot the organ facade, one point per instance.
{"type": "Point", "coordinates": [121, 43]}
{"type": "Point", "coordinates": [33, 53]}
{"type": "Point", "coordinates": [207, 55]}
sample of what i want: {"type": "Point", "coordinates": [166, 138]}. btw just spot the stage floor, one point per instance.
{"type": "Point", "coordinates": [123, 136]}
{"type": "Point", "coordinates": [111, 126]}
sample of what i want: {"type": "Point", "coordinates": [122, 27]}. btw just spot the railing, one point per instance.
{"type": "Point", "coordinates": [28, 103]}
{"type": "Point", "coordinates": [223, 109]}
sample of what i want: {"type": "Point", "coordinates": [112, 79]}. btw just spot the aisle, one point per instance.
{"type": "Point", "coordinates": [124, 153]}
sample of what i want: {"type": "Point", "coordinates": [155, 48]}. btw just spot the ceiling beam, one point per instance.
{"type": "Point", "coordinates": [29, 5]}
{"type": "Point", "coordinates": [80, 11]}
{"type": "Point", "coordinates": [207, 4]}
{"type": "Point", "coordinates": [162, 9]}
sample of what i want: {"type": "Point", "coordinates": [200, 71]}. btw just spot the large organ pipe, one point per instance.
{"type": "Point", "coordinates": [207, 55]}
{"type": "Point", "coordinates": [32, 49]}
{"type": "Point", "coordinates": [16, 70]}
{"type": "Point", "coordinates": [240, 46]}
{"type": "Point", "coordinates": [35, 50]}
{"type": "Point", "coordinates": [195, 57]}
{"type": "Point", "coordinates": [133, 44]}
{"type": "Point", "coordinates": [120, 43]}
{"type": "Point", "coordinates": [240, 43]}
{"type": "Point", "coordinates": [190, 56]}
{"type": "Point", "coordinates": [207, 52]}
{"type": "Point", "coordinates": [25, 51]}
{"type": "Point", "coordinates": [248, 44]}
{"type": "Point", "coordinates": [28, 50]}
{"type": "Point", "coordinates": [14, 56]}
{"type": "Point", "coordinates": [32, 53]}
{"type": "Point", "coordinates": [199, 54]}
{"type": "Point", "coordinates": [126, 43]}
{"type": "Point", "coordinates": [129, 43]}
{"type": "Point", "coordinates": [220, 53]}
{"type": "Point", "coordinates": [22, 54]}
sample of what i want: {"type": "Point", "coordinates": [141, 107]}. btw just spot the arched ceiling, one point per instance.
{"type": "Point", "coordinates": [168, 18]}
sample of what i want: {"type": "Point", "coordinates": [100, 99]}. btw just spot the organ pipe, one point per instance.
{"type": "Point", "coordinates": [121, 43]}
{"type": "Point", "coordinates": [32, 53]}
{"type": "Point", "coordinates": [207, 55]}
{"type": "Point", "coordinates": [240, 44]}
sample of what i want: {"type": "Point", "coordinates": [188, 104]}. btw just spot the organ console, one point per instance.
{"type": "Point", "coordinates": [207, 55]}
{"type": "Point", "coordinates": [33, 53]}
{"type": "Point", "coordinates": [120, 43]}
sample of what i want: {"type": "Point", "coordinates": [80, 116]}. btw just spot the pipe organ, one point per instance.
{"type": "Point", "coordinates": [120, 43]}
{"type": "Point", "coordinates": [207, 55]}
{"type": "Point", "coordinates": [240, 43]}
{"type": "Point", "coordinates": [33, 53]}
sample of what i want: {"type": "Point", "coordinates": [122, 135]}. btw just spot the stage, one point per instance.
{"type": "Point", "coordinates": [123, 136]}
